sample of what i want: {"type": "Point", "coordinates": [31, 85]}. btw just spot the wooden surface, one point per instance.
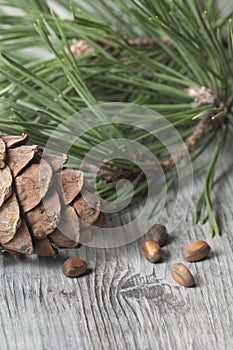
{"type": "Point", "coordinates": [125, 302]}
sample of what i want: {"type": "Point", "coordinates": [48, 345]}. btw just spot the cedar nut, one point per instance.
{"type": "Point", "coordinates": [74, 267]}
{"type": "Point", "coordinates": [196, 251]}
{"type": "Point", "coordinates": [158, 233]}
{"type": "Point", "coordinates": [151, 251]}
{"type": "Point", "coordinates": [181, 274]}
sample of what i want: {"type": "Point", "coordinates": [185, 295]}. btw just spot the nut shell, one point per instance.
{"type": "Point", "coordinates": [21, 242]}
{"type": "Point", "coordinates": [70, 184]}
{"type": "Point", "coordinates": [67, 235]}
{"type": "Point", "coordinates": [13, 141]}
{"type": "Point", "coordinates": [151, 251]}
{"type": "Point", "coordinates": [196, 251]}
{"type": "Point", "coordinates": [44, 248]}
{"type": "Point", "coordinates": [18, 158]}
{"type": "Point", "coordinates": [74, 267]}
{"type": "Point", "coordinates": [5, 184]}
{"type": "Point", "coordinates": [158, 233]}
{"type": "Point", "coordinates": [87, 208]}
{"type": "Point", "coordinates": [55, 162]}
{"type": "Point", "coordinates": [181, 274]}
{"type": "Point", "coordinates": [9, 219]}
{"type": "Point", "coordinates": [45, 217]}
{"type": "Point", "coordinates": [33, 185]}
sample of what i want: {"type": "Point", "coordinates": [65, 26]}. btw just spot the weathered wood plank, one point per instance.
{"type": "Point", "coordinates": [125, 302]}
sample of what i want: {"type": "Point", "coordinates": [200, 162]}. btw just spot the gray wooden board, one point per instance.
{"type": "Point", "coordinates": [125, 302]}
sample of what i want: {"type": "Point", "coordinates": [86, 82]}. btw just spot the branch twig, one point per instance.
{"type": "Point", "coordinates": [81, 47]}
{"type": "Point", "coordinates": [167, 164]}
{"type": "Point", "coordinates": [201, 129]}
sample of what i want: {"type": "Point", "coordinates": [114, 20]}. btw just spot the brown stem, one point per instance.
{"type": "Point", "coordinates": [138, 42]}
{"type": "Point", "coordinates": [141, 42]}
{"type": "Point", "coordinates": [108, 175]}
{"type": "Point", "coordinates": [167, 164]}
{"type": "Point", "coordinates": [199, 132]}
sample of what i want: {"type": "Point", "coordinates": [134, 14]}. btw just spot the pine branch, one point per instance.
{"type": "Point", "coordinates": [168, 48]}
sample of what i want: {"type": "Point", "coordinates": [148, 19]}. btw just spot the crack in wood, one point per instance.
{"type": "Point", "coordinates": [162, 295]}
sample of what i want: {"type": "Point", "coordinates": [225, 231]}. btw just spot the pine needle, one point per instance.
{"type": "Point", "coordinates": [191, 46]}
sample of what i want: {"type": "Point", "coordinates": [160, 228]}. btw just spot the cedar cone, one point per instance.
{"type": "Point", "coordinates": [40, 202]}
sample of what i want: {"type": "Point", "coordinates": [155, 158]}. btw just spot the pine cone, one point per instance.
{"type": "Point", "coordinates": [40, 202]}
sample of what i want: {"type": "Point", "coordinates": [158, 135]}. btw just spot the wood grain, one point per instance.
{"type": "Point", "coordinates": [125, 302]}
